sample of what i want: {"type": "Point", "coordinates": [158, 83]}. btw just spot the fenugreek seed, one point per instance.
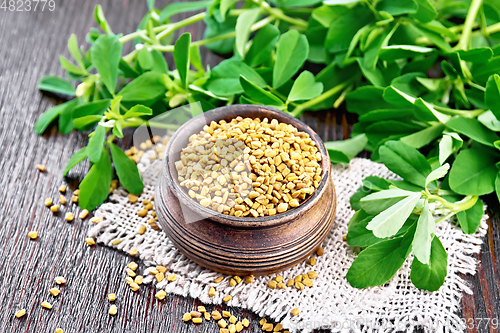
{"type": "Point", "coordinates": [60, 280]}
{"type": "Point", "coordinates": [161, 269]}
{"type": "Point", "coordinates": [134, 286]}
{"type": "Point", "coordinates": [33, 234]}
{"type": "Point", "coordinates": [112, 297]}
{"type": "Point", "coordinates": [237, 279]}
{"type": "Point", "coordinates": [224, 330]}
{"type": "Point", "coordinates": [77, 192]}
{"type": "Point", "coordinates": [161, 294]}
{"type": "Point", "coordinates": [320, 251]}
{"type": "Point", "coordinates": [113, 310]}
{"type": "Point", "coordinates": [281, 285]}
{"type": "Point", "coordinates": [138, 279]}
{"type": "Point", "coordinates": [232, 328]}
{"type": "Point", "coordinates": [149, 206]}
{"type": "Point", "coordinates": [282, 207]}
{"type": "Point", "coordinates": [227, 298]}
{"type": "Point", "coordinates": [245, 322]}
{"type": "Point", "coordinates": [262, 321]}
{"type": "Point", "coordinates": [295, 312]}
{"type": "Point", "coordinates": [207, 316]}
{"type": "Point", "coordinates": [48, 202]}
{"type": "Point", "coordinates": [58, 330]}
{"type": "Point", "coordinates": [54, 208]}
{"type": "Point", "coordinates": [226, 314]}
{"type": "Point", "coordinates": [307, 282]}
{"type": "Point", "coordinates": [232, 320]}
{"type": "Point", "coordinates": [219, 279]}
{"type": "Point", "coordinates": [171, 277]}
{"type": "Point", "coordinates": [216, 315]}
{"type": "Point", "coordinates": [133, 251]}
{"type": "Point", "coordinates": [249, 279]}
{"type": "Point", "coordinates": [222, 323]}
{"type": "Point", "coordinates": [232, 282]}
{"type": "Point", "coordinates": [74, 199]}
{"type": "Point", "coordinates": [130, 273]}
{"type": "Point", "coordinates": [46, 305]}
{"type": "Point", "coordinates": [312, 274]}
{"type": "Point", "coordinates": [298, 278]}
{"type": "Point", "coordinates": [159, 277]}
{"type": "Point", "coordinates": [142, 212]}
{"type": "Point", "coordinates": [197, 320]}
{"type": "Point", "coordinates": [62, 189]}
{"type": "Point", "coordinates": [20, 313]}
{"type": "Point", "coordinates": [311, 261]}
{"type": "Point", "coordinates": [129, 280]}
{"type": "Point", "coordinates": [294, 202]}
{"type": "Point", "coordinates": [132, 265]}
{"type": "Point", "coordinates": [279, 278]}
{"type": "Point", "coordinates": [268, 327]}
{"type": "Point", "coordinates": [132, 198]}
{"type": "Point", "coordinates": [90, 241]}
{"type": "Point", "coordinates": [272, 284]}
{"type": "Point", "coordinates": [278, 327]}
{"type": "Point", "coordinates": [62, 200]}
{"type": "Point", "coordinates": [54, 291]}
{"type": "Point", "coordinates": [153, 271]}
{"type": "Point", "coordinates": [239, 326]}
{"type": "Point", "coordinates": [40, 167]}
{"type": "Point", "coordinates": [186, 317]}
{"type": "Point", "coordinates": [116, 241]}
{"type": "Point", "coordinates": [69, 216]}
{"type": "Point", "coordinates": [299, 286]}
{"type": "Point", "coordinates": [211, 292]}
{"type": "Point", "coordinates": [201, 309]}
{"type": "Point", "coordinates": [83, 214]}
{"type": "Point", "coordinates": [97, 219]}
{"type": "Point", "coordinates": [195, 314]}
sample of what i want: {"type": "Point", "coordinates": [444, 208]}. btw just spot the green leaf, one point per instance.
{"type": "Point", "coordinates": [366, 99]}
{"type": "Point", "coordinates": [394, 52]}
{"type": "Point", "coordinates": [489, 120]}
{"type": "Point", "coordinates": [76, 158]}
{"type": "Point", "coordinates": [181, 57]}
{"type": "Point", "coordinates": [389, 221]}
{"type": "Point", "coordinates": [291, 54]}
{"type": "Point", "coordinates": [445, 148]}
{"type": "Point", "coordinates": [127, 171]}
{"type": "Point", "coordinates": [86, 123]}
{"type": "Point", "coordinates": [473, 129]}
{"type": "Point", "coordinates": [430, 277]}
{"type": "Point", "coordinates": [437, 174]}
{"type": "Point", "coordinates": [105, 55]}
{"type": "Point", "coordinates": [497, 186]}
{"type": "Point", "coordinates": [470, 219]}
{"type": "Point", "coordinates": [259, 94]}
{"type": "Point", "coordinates": [182, 7]}
{"type": "Point", "coordinates": [94, 188]}
{"type": "Point", "coordinates": [152, 60]}
{"type": "Point", "coordinates": [305, 87]}
{"type": "Point", "coordinates": [478, 55]}
{"type": "Point", "coordinates": [473, 172]}
{"type": "Point", "coordinates": [376, 264]}
{"type": "Point", "coordinates": [424, 137]}
{"type": "Point", "coordinates": [397, 7]}
{"type": "Point", "coordinates": [66, 118]}
{"type": "Point", "coordinates": [377, 202]}
{"type": "Point", "coordinates": [226, 77]}
{"type": "Point", "coordinates": [75, 51]}
{"type": "Point", "coordinates": [101, 20]}
{"type": "Point", "coordinates": [405, 161]}
{"type": "Point", "coordinates": [262, 45]}
{"type": "Point", "coordinates": [225, 5]}
{"type": "Point", "coordinates": [436, 38]}
{"type": "Point", "coordinates": [56, 85]}
{"type": "Point", "coordinates": [215, 28]}
{"type": "Point", "coordinates": [426, 12]}
{"type": "Point", "coordinates": [48, 117]}
{"type": "Point", "coordinates": [127, 71]}
{"type": "Point", "coordinates": [492, 94]}
{"type": "Point", "coordinates": [137, 111]}
{"type": "Point", "coordinates": [426, 229]}
{"type": "Point", "coordinates": [349, 148]}
{"type": "Point", "coordinates": [195, 58]}
{"type": "Point", "coordinates": [91, 108]}
{"type": "Point", "coordinates": [148, 86]}
{"type": "Point", "coordinates": [243, 25]}
{"type": "Point", "coordinates": [70, 67]}
{"type": "Point", "coordinates": [358, 235]}
{"type": "Point", "coordinates": [96, 142]}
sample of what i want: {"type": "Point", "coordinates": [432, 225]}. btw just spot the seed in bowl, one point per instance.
{"type": "Point", "coordinates": [249, 167]}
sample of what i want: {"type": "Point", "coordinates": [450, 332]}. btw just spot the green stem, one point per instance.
{"type": "Point", "coordinates": [137, 122]}
{"type": "Point", "coordinates": [181, 24]}
{"type": "Point", "coordinates": [463, 42]}
{"type": "Point", "coordinates": [456, 207]}
{"type": "Point", "coordinates": [278, 13]}
{"type": "Point", "coordinates": [464, 113]}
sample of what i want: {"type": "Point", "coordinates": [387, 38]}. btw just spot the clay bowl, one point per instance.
{"type": "Point", "coordinates": [242, 245]}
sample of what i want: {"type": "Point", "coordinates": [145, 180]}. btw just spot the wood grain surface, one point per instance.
{"type": "Point", "coordinates": [31, 43]}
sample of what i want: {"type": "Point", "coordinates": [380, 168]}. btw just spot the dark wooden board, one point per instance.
{"type": "Point", "coordinates": [31, 43]}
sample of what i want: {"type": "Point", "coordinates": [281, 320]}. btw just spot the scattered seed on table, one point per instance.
{"type": "Point", "coordinates": [153, 271]}
{"type": "Point", "coordinates": [311, 261]}
{"type": "Point", "coordinates": [216, 315]}
{"type": "Point", "coordinates": [344, 238]}
{"type": "Point", "coordinates": [60, 280]}
{"type": "Point", "coordinates": [279, 278]}
{"type": "Point", "coordinates": [77, 192]}
{"type": "Point", "coordinates": [307, 282]}
{"type": "Point", "coordinates": [245, 322]}
{"type": "Point", "coordinates": [207, 316]}
{"type": "Point", "coordinates": [83, 214]}
{"type": "Point", "coordinates": [40, 167]}
{"type": "Point", "coordinates": [289, 283]}
{"type": "Point", "coordinates": [116, 241]}
{"type": "Point", "coordinates": [312, 274]}
{"type": "Point", "coordinates": [113, 310]}
{"type": "Point", "coordinates": [171, 277]}
{"type": "Point", "coordinates": [33, 234]}
{"type": "Point", "coordinates": [232, 328]}
{"type": "Point", "coordinates": [232, 320]}
{"type": "Point", "coordinates": [299, 286]}
{"type": "Point", "coordinates": [320, 251]}
{"type": "Point", "coordinates": [112, 297]}
{"type": "Point", "coordinates": [249, 279]}
{"type": "Point", "coordinates": [129, 280]}
{"type": "Point", "coordinates": [262, 321]}
{"type": "Point", "coordinates": [138, 279]}
{"type": "Point", "coordinates": [219, 279]}
{"type": "Point", "coordinates": [149, 206]}
{"type": "Point", "coordinates": [186, 317]}
{"type": "Point", "coordinates": [130, 272]}
{"type": "Point", "coordinates": [48, 202]}
{"type": "Point", "coordinates": [201, 309]}
{"type": "Point", "coordinates": [195, 314]}
{"type": "Point", "coordinates": [224, 330]}
{"type": "Point", "coordinates": [62, 200]}
{"type": "Point", "coordinates": [54, 292]}
{"type": "Point", "coordinates": [74, 199]}
{"type": "Point", "coordinates": [278, 327]}
{"type": "Point", "coordinates": [97, 219]}
{"type": "Point", "coordinates": [142, 212]}
{"type": "Point", "coordinates": [133, 251]}
{"type": "Point", "coordinates": [159, 277]}
{"type": "Point", "coordinates": [54, 208]}
{"type": "Point", "coordinates": [69, 217]}
{"type": "Point", "coordinates": [134, 286]}
{"type": "Point", "coordinates": [222, 323]}
{"type": "Point", "coordinates": [239, 326]}
{"type": "Point", "coordinates": [90, 241]}
{"type": "Point", "coordinates": [46, 305]}
{"type": "Point", "coordinates": [211, 292]}
{"type": "Point", "coordinates": [298, 278]}
{"type": "Point", "coordinates": [268, 327]}
{"type": "Point", "coordinates": [142, 229]}
{"type": "Point", "coordinates": [161, 294]}
{"type": "Point", "coordinates": [232, 282]}
{"type": "Point", "coordinates": [132, 198]}
{"type": "Point", "coordinates": [132, 265]}
{"type": "Point", "coordinates": [161, 269]}
{"type": "Point", "coordinates": [197, 320]}
{"type": "Point", "coordinates": [62, 188]}
{"type": "Point", "coordinates": [59, 330]}
{"type": "Point", "coordinates": [281, 285]}
{"type": "Point", "coordinates": [20, 313]}
{"type": "Point", "coordinates": [295, 312]}
{"type": "Point", "coordinates": [226, 314]}
{"type": "Point", "coordinates": [272, 284]}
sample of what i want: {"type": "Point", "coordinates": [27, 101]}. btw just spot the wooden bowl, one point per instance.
{"type": "Point", "coordinates": [242, 245]}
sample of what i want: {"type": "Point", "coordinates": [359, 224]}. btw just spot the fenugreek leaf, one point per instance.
{"type": "Point", "coordinates": [66, 118]}
{"type": "Point", "coordinates": [262, 45]}
{"type": "Point", "coordinates": [70, 67]}
{"type": "Point", "coordinates": [96, 142]}
{"type": "Point", "coordinates": [86, 123]}
{"type": "Point", "coordinates": [105, 55]}
{"type": "Point", "coordinates": [492, 94]}
{"type": "Point", "coordinates": [48, 117]}
{"type": "Point", "coordinates": [243, 25]}
{"type": "Point", "coordinates": [127, 171]}
{"type": "Point", "coordinates": [497, 186]}
{"type": "Point", "coordinates": [101, 20]}
{"type": "Point", "coordinates": [473, 129]}
{"type": "Point", "coordinates": [437, 174]}
{"type": "Point", "coordinates": [75, 51]}
{"type": "Point", "coordinates": [57, 85]}
{"type": "Point", "coordinates": [349, 148]}
{"type": "Point", "coordinates": [94, 188]}
{"type": "Point", "coordinates": [76, 158]}
{"type": "Point", "coordinates": [91, 108]}
{"type": "Point", "coordinates": [259, 94]}
{"type": "Point", "coordinates": [182, 7]}
{"type": "Point", "coordinates": [181, 57]}
{"type": "Point", "coordinates": [291, 54]}
{"type": "Point", "coordinates": [147, 87]}
{"type": "Point", "coordinates": [377, 202]}
{"type": "Point", "coordinates": [470, 219]}
{"type": "Point", "coordinates": [430, 277]}
{"type": "Point", "coordinates": [137, 111]}
{"type": "Point", "coordinates": [426, 229]}
{"type": "Point", "coordinates": [305, 87]}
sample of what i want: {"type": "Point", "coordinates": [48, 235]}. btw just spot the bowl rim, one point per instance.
{"type": "Point", "coordinates": [261, 221]}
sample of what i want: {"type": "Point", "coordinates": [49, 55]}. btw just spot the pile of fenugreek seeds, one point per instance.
{"type": "Point", "coordinates": [249, 167]}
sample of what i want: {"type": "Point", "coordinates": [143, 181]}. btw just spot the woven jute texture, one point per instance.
{"type": "Point", "coordinates": [331, 302]}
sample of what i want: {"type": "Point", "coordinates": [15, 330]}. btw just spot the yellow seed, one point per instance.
{"type": "Point", "coordinates": [134, 286]}
{"type": "Point", "coordinates": [281, 285]}
{"type": "Point", "coordinates": [245, 322]}
{"type": "Point", "coordinates": [59, 330]}
{"type": "Point", "coordinates": [33, 234]}
{"type": "Point", "coordinates": [249, 279]}
{"type": "Point", "coordinates": [62, 189]}
{"type": "Point", "coordinates": [222, 323]}
{"type": "Point", "coordinates": [197, 320]}
{"type": "Point", "coordinates": [161, 295]}
{"type": "Point", "coordinates": [195, 314]}
{"type": "Point", "coordinates": [48, 202]}
{"type": "Point", "coordinates": [232, 328]}
{"type": "Point", "coordinates": [132, 265]}
{"type": "Point", "coordinates": [130, 273]}
{"type": "Point", "coordinates": [90, 241]}
{"type": "Point", "coordinates": [320, 251]}
{"type": "Point", "coordinates": [149, 206]}
{"type": "Point", "coordinates": [142, 212]}
{"type": "Point", "coordinates": [311, 261]}
{"type": "Point", "coordinates": [77, 192]}
{"type": "Point", "coordinates": [138, 279]}
{"type": "Point", "coordinates": [237, 279]}
{"type": "Point", "coordinates": [112, 297]}
{"type": "Point", "coordinates": [97, 219]}
{"type": "Point", "coordinates": [116, 241]}
{"type": "Point", "coordinates": [224, 330]}
{"type": "Point", "coordinates": [171, 277]}
{"type": "Point", "coordinates": [20, 313]}
{"type": "Point", "coordinates": [69, 216]}
{"type": "Point", "coordinates": [113, 310]}
{"type": "Point", "coordinates": [226, 314]}
{"type": "Point", "coordinates": [268, 327]}
{"type": "Point", "coordinates": [272, 284]}
{"type": "Point", "coordinates": [132, 198]}
{"type": "Point", "coordinates": [186, 317]}
{"type": "Point", "coordinates": [60, 280]}
{"type": "Point", "coordinates": [282, 207]}
{"type": "Point", "coordinates": [129, 280]}
{"type": "Point", "coordinates": [219, 279]}
{"type": "Point", "coordinates": [289, 283]}
{"type": "Point", "coordinates": [54, 208]}
{"type": "Point", "coordinates": [201, 309]}
{"type": "Point", "coordinates": [153, 271]}
{"type": "Point", "coordinates": [74, 199]}
{"type": "Point", "coordinates": [307, 282]}
{"type": "Point", "coordinates": [54, 291]}
{"type": "Point", "coordinates": [295, 312]}
{"type": "Point", "coordinates": [161, 269]}
{"type": "Point", "coordinates": [62, 200]}
{"type": "Point", "coordinates": [46, 305]}
{"type": "Point", "coordinates": [40, 167]}
{"type": "Point", "coordinates": [83, 214]}
{"type": "Point", "coordinates": [312, 274]}
{"type": "Point", "coordinates": [207, 316]}
{"type": "Point", "coordinates": [211, 292]}
{"type": "Point", "coordinates": [278, 327]}
{"type": "Point", "coordinates": [232, 282]}
{"type": "Point", "coordinates": [133, 251]}
{"type": "Point", "coordinates": [262, 321]}
{"type": "Point", "coordinates": [279, 278]}
{"type": "Point", "coordinates": [299, 286]}
{"type": "Point", "coordinates": [216, 315]}
{"type": "Point", "coordinates": [159, 277]}
{"type": "Point", "coordinates": [239, 326]}
{"type": "Point", "coordinates": [227, 298]}
{"type": "Point", "coordinates": [233, 320]}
